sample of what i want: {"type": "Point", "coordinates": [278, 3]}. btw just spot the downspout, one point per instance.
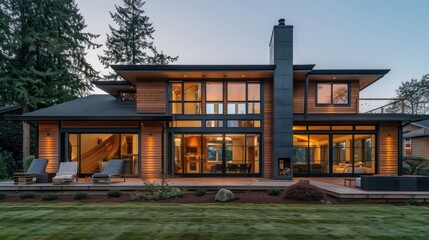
{"type": "Point", "coordinates": [307, 80]}
{"type": "Point", "coordinates": [162, 148]}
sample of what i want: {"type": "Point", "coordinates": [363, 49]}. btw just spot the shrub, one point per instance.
{"type": "Point", "coordinates": [171, 192]}
{"type": "Point", "coordinates": [274, 192]}
{"type": "Point", "coordinates": [81, 195]}
{"type": "Point", "coordinates": [50, 196]}
{"type": "Point", "coordinates": [201, 192]}
{"type": "Point", "coordinates": [137, 196]}
{"type": "Point", "coordinates": [413, 202]}
{"type": "Point", "coordinates": [2, 195]}
{"type": "Point", "coordinates": [153, 192]}
{"type": "Point", "coordinates": [304, 191]}
{"type": "Point", "coordinates": [25, 195]}
{"type": "Point", "coordinates": [414, 165]}
{"type": "Point", "coordinates": [114, 193]}
{"type": "Point", "coordinates": [28, 161]}
{"type": "Point", "coordinates": [3, 169]}
{"type": "Point", "coordinates": [224, 195]}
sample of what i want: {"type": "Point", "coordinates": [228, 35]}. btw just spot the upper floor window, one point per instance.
{"type": "Point", "coordinates": [185, 98]}
{"type": "Point", "coordinates": [214, 98]}
{"type": "Point", "coordinates": [127, 96]}
{"type": "Point", "coordinates": [244, 97]}
{"type": "Point", "coordinates": [332, 93]}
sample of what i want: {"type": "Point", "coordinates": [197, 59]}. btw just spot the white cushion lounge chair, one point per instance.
{"type": "Point", "coordinates": [66, 174]}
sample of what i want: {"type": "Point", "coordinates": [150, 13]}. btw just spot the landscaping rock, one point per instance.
{"type": "Point", "coordinates": [224, 195]}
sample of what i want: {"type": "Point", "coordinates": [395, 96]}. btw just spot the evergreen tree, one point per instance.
{"type": "Point", "coordinates": [44, 55]}
{"type": "Point", "coordinates": [131, 42]}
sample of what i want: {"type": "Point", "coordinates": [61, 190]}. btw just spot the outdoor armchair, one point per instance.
{"type": "Point", "coordinates": [35, 173]}
{"type": "Point", "coordinates": [66, 174]}
{"type": "Point", "coordinates": [113, 168]}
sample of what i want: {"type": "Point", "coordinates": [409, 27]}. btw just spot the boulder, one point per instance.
{"type": "Point", "coordinates": [224, 195]}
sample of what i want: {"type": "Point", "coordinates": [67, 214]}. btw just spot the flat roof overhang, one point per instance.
{"type": "Point", "coordinates": [365, 77]}
{"type": "Point", "coordinates": [137, 117]}
{"type": "Point", "coordinates": [360, 117]}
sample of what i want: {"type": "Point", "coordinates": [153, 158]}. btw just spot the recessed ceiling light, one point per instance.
{"type": "Point", "coordinates": [185, 75]}
{"type": "Point", "coordinates": [242, 76]}
{"type": "Point", "coordinates": [334, 78]}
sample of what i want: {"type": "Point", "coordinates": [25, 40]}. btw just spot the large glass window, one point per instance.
{"type": "Point", "coordinates": [244, 97]}
{"type": "Point", "coordinates": [93, 150]}
{"type": "Point", "coordinates": [332, 93]}
{"type": "Point", "coordinates": [185, 98]}
{"type": "Point", "coordinates": [300, 152]}
{"type": "Point", "coordinates": [342, 153]}
{"type": "Point", "coordinates": [319, 153]}
{"type": "Point", "coordinates": [214, 98]}
{"type": "Point", "coordinates": [217, 153]}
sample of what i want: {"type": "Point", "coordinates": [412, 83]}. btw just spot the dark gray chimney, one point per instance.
{"type": "Point", "coordinates": [281, 54]}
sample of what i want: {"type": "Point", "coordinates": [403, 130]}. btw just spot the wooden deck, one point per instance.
{"type": "Point", "coordinates": [331, 186]}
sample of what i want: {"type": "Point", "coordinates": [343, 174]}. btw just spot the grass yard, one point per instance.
{"type": "Point", "coordinates": [210, 221]}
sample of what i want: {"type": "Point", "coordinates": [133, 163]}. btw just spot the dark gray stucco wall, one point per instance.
{"type": "Point", "coordinates": [281, 54]}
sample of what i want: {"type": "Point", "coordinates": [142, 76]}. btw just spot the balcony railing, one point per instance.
{"type": "Point", "coordinates": [380, 105]}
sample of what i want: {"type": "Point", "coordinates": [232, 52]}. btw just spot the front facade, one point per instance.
{"type": "Point", "coordinates": [277, 120]}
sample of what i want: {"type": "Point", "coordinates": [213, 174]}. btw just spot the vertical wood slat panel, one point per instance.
{"type": "Point", "coordinates": [151, 97]}
{"type": "Point", "coordinates": [298, 96]}
{"type": "Point", "coordinates": [48, 145]}
{"type": "Point", "coordinates": [151, 151]}
{"type": "Point", "coordinates": [388, 156]}
{"type": "Point", "coordinates": [268, 129]}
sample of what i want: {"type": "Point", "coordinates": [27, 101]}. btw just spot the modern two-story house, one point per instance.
{"type": "Point", "coordinates": [275, 120]}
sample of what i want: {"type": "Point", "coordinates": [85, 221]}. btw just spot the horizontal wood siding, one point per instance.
{"type": "Point", "coordinates": [100, 124]}
{"type": "Point", "coordinates": [48, 144]}
{"type": "Point", "coordinates": [313, 109]}
{"type": "Point", "coordinates": [151, 97]}
{"type": "Point", "coordinates": [298, 96]}
{"type": "Point", "coordinates": [388, 147]}
{"type": "Point", "coordinates": [268, 129]}
{"type": "Point", "coordinates": [151, 150]}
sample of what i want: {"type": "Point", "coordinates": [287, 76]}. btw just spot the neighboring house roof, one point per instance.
{"type": "Point", "coordinates": [422, 132]}
{"type": "Point", "coordinates": [422, 124]}
{"type": "Point", "coordinates": [6, 109]}
{"type": "Point", "coordinates": [93, 107]}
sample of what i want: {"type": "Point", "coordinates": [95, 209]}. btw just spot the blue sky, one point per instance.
{"type": "Point", "coordinates": [390, 34]}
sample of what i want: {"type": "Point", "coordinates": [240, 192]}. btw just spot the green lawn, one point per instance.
{"type": "Point", "coordinates": [210, 221]}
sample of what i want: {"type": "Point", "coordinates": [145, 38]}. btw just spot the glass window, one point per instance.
{"type": "Point", "coordinates": [244, 123]}
{"type": "Point", "coordinates": [363, 128]}
{"type": "Point", "coordinates": [254, 91]}
{"type": "Point", "coordinates": [319, 128]}
{"type": "Point", "coordinates": [299, 128]}
{"type": "Point", "coordinates": [319, 153]}
{"type": "Point", "coordinates": [236, 91]}
{"type": "Point", "coordinates": [214, 108]}
{"type": "Point", "coordinates": [214, 91]}
{"type": "Point", "coordinates": [332, 93]}
{"type": "Point", "coordinates": [185, 123]}
{"type": "Point", "coordinates": [176, 91]}
{"type": "Point", "coordinates": [254, 108]}
{"type": "Point", "coordinates": [236, 108]}
{"type": "Point", "coordinates": [342, 153]}
{"type": "Point", "coordinates": [340, 93]}
{"type": "Point", "coordinates": [192, 91]}
{"type": "Point", "coordinates": [342, 128]}
{"type": "Point", "coordinates": [176, 108]}
{"type": "Point", "coordinates": [299, 154]}
{"type": "Point", "coordinates": [364, 153]}
{"type": "Point", "coordinates": [192, 108]}
{"type": "Point", "coordinates": [127, 97]}
{"type": "Point", "coordinates": [214, 123]}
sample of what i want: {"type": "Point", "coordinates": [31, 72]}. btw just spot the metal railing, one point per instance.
{"type": "Point", "coordinates": [380, 105]}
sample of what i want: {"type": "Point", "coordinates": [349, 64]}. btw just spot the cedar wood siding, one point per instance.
{"type": "Point", "coordinates": [388, 147]}
{"type": "Point", "coordinates": [48, 145]}
{"type": "Point", "coordinates": [151, 150]}
{"type": "Point", "coordinates": [268, 128]}
{"type": "Point", "coordinates": [100, 124]}
{"type": "Point", "coordinates": [151, 97]}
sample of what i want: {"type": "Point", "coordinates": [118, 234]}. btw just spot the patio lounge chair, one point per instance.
{"type": "Point", "coordinates": [113, 168]}
{"type": "Point", "coordinates": [35, 173]}
{"type": "Point", "coordinates": [66, 174]}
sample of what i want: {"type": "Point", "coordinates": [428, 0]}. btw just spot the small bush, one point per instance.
{"type": "Point", "coordinates": [201, 192]}
{"type": "Point", "coordinates": [3, 168]}
{"type": "Point", "coordinates": [274, 192]}
{"type": "Point", "coordinates": [137, 196]}
{"type": "Point", "coordinates": [114, 193]}
{"type": "Point", "coordinates": [28, 161]}
{"type": "Point", "coordinates": [2, 195]}
{"type": "Point", "coordinates": [50, 197]}
{"type": "Point", "coordinates": [304, 191]}
{"type": "Point", "coordinates": [25, 195]}
{"type": "Point", "coordinates": [171, 192]}
{"type": "Point", "coordinates": [413, 202]}
{"type": "Point", "coordinates": [81, 195]}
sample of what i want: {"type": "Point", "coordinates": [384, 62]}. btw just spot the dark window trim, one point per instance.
{"type": "Point", "coordinates": [348, 104]}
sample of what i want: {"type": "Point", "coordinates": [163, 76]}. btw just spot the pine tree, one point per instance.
{"type": "Point", "coordinates": [44, 48]}
{"type": "Point", "coordinates": [131, 42]}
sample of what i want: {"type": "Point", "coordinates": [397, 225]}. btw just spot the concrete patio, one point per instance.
{"type": "Point", "coordinates": [331, 186]}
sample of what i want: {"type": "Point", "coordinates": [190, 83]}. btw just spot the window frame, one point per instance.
{"type": "Point", "coordinates": [348, 104]}
{"type": "Point", "coordinates": [182, 102]}
{"type": "Point", "coordinates": [246, 101]}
